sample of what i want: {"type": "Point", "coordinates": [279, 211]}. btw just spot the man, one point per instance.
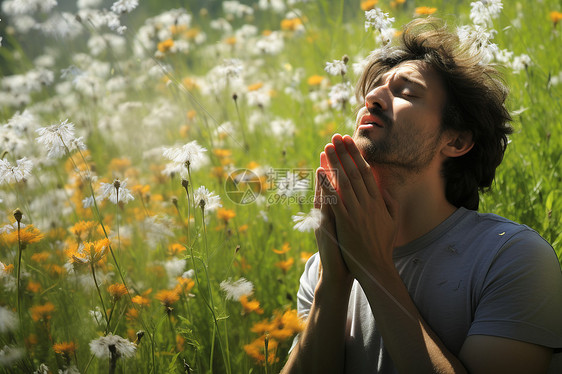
{"type": "Point", "coordinates": [409, 277]}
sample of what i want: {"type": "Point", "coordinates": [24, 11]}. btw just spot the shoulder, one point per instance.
{"type": "Point", "coordinates": [499, 234]}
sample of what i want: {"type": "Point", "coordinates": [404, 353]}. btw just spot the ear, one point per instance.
{"type": "Point", "coordinates": [458, 144]}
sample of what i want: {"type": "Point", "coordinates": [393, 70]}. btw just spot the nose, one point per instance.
{"type": "Point", "coordinates": [379, 97]}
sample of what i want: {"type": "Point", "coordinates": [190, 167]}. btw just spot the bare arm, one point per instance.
{"type": "Point", "coordinates": [320, 347]}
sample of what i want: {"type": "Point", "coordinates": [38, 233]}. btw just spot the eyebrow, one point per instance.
{"type": "Point", "coordinates": [402, 76]}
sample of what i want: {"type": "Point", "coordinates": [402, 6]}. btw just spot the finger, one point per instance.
{"type": "Point", "coordinates": [351, 168]}
{"type": "Point", "coordinates": [317, 192]}
{"type": "Point", "coordinates": [343, 185]}
{"type": "Point", "coordinates": [330, 194]}
{"type": "Point", "coordinates": [363, 166]}
{"type": "Point", "coordinates": [391, 203]}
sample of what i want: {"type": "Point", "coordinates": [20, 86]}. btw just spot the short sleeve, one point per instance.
{"type": "Point", "coordinates": [521, 297]}
{"type": "Point", "coordinates": [308, 282]}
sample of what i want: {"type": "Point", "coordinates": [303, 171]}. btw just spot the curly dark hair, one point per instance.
{"type": "Point", "coordinates": [475, 102]}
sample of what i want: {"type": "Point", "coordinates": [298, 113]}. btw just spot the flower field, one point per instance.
{"type": "Point", "coordinates": [158, 158]}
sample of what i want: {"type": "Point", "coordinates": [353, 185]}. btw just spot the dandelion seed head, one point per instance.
{"type": "Point", "coordinates": [236, 289]}
{"type": "Point", "coordinates": [15, 173]}
{"type": "Point", "coordinates": [123, 347]}
{"type": "Point", "coordinates": [205, 199]}
{"type": "Point", "coordinates": [8, 319]}
{"type": "Point", "coordinates": [305, 222]}
{"type": "Point", "coordinates": [10, 354]}
{"type": "Point", "coordinates": [336, 67]}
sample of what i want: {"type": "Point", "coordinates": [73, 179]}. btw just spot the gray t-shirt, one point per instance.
{"type": "Point", "coordinates": [473, 274]}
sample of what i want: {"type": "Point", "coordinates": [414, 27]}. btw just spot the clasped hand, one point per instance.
{"type": "Point", "coordinates": [362, 223]}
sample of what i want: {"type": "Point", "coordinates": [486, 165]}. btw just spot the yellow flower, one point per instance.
{"type": "Point", "coordinates": [226, 214]}
{"type": "Point", "coordinates": [284, 249]}
{"type": "Point", "coordinates": [83, 230]}
{"type": "Point", "coordinates": [42, 312]}
{"type": "Point", "coordinates": [65, 348]}
{"type": "Point", "coordinates": [117, 291]}
{"type": "Point", "coordinates": [315, 80]}
{"type": "Point", "coordinates": [285, 265]}
{"type": "Point", "coordinates": [368, 4]}
{"type": "Point", "coordinates": [230, 40]}
{"type": "Point", "coordinates": [89, 252]}
{"type": "Point", "coordinates": [165, 45]}
{"type": "Point", "coordinates": [167, 297]}
{"type": "Point", "coordinates": [141, 300]}
{"type": "Point", "coordinates": [291, 24]}
{"type": "Point", "coordinates": [555, 17]}
{"type": "Point", "coordinates": [255, 86]}
{"type": "Point", "coordinates": [256, 350]}
{"type": "Point", "coordinates": [424, 10]}
{"type": "Point", "coordinates": [27, 235]}
{"type": "Point", "coordinates": [40, 257]}
{"type": "Point", "coordinates": [250, 305]}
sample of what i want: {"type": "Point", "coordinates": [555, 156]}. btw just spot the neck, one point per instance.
{"type": "Point", "coordinates": [421, 200]}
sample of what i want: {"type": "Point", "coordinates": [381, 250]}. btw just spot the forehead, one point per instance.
{"type": "Point", "coordinates": [418, 71]}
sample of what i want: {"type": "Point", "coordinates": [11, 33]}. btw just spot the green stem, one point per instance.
{"type": "Point", "coordinates": [99, 294]}
{"type": "Point", "coordinates": [18, 289]}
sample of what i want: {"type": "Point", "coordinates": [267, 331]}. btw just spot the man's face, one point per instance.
{"type": "Point", "coordinates": [400, 126]}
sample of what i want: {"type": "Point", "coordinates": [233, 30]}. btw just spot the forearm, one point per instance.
{"type": "Point", "coordinates": [320, 348]}
{"type": "Point", "coordinates": [410, 341]}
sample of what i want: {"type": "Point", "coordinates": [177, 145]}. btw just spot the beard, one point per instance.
{"type": "Point", "coordinates": [410, 151]}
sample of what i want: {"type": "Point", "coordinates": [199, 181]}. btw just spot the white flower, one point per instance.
{"type": "Point", "coordinates": [9, 355]}
{"type": "Point", "coordinates": [123, 347]}
{"type": "Point", "coordinates": [484, 11]}
{"type": "Point", "coordinates": [479, 41]}
{"type": "Point", "coordinates": [57, 138]}
{"type": "Point", "coordinates": [236, 289]}
{"type": "Point", "coordinates": [191, 154]}
{"type": "Point", "coordinates": [8, 320]}
{"type": "Point", "coordinates": [377, 20]}
{"type": "Point", "coordinates": [206, 200]}
{"type": "Point", "coordinates": [70, 370]}
{"type": "Point", "coordinates": [174, 267]}
{"type": "Point", "coordinates": [337, 67]}
{"type": "Point", "coordinates": [124, 6]}
{"type": "Point", "coordinates": [520, 62]}
{"type": "Point", "coordinates": [115, 192]}
{"type": "Point", "coordinates": [236, 9]}
{"type": "Point", "coordinates": [190, 274]}
{"type": "Point", "coordinates": [18, 173]}
{"type": "Point", "coordinates": [340, 94]}
{"type": "Point", "coordinates": [307, 222]}
{"type": "Point", "coordinates": [42, 369]}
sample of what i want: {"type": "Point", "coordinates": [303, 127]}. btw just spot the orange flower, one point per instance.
{"type": "Point", "coordinates": [424, 10]}
{"type": "Point", "coordinates": [315, 80]}
{"type": "Point", "coordinates": [117, 291]}
{"type": "Point", "coordinates": [291, 24]}
{"type": "Point", "coordinates": [7, 269]}
{"type": "Point", "coordinates": [176, 248]}
{"type": "Point", "coordinates": [141, 300]}
{"type": "Point", "coordinates": [65, 348]}
{"type": "Point", "coordinates": [42, 312]}
{"type": "Point", "coordinates": [254, 87]}
{"type": "Point", "coordinates": [165, 45]}
{"type": "Point", "coordinates": [132, 314]}
{"type": "Point", "coordinates": [305, 256]}
{"type": "Point", "coordinates": [285, 265]}
{"type": "Point", "coordinates": [256, 350]}
{"type": "Point", "coordinates": [226, 214]}
{"type": "Point", "coordinates": [33, 286]}
{"type": "Point", "coordinates": [167, 297]}
{"type": "Point", "coordinates": [250, 305]}
{"type": "Point", "coordinates": [40, 257]}
{"type": "Point", "coordinates": [230, 40]}
{"type": "Point", "coordinates": [27, 235]}
{"type": "Point", "coordinates": [555, 17]}
{"type": "Point", "coordinates": [184, 284]}
{"type": "Point", "coordinates": [368, 4]}
{"type": "Point", "coordinates": [284, 249]}
{"type": "Point", "coordinates": [89, 252]}
{"type": "Point", "coordinates": [83, 230]}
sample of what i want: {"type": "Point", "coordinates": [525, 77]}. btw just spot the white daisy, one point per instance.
{"type": "Point", "coordinates": [377, 20]}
